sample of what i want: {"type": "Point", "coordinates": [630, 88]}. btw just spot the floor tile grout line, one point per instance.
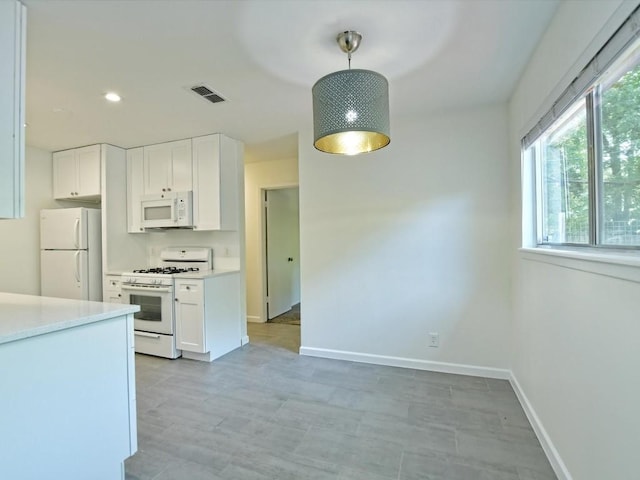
{"type": "Point", "coordinates": [400, 467]}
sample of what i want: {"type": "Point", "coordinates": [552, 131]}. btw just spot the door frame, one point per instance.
{"type": "Point", "coordinates": [263, 239]}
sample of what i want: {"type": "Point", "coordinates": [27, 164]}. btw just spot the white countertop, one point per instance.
{"type": "Point", "coordinates": [206, 273]}
{"type": "Point", "coordinates": [24, 316]}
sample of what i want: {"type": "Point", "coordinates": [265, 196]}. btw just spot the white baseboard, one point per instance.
{"type": "Point", "coordinates": [254, 319]}
{"type": "Point", "coordinates": [417, 364]}
{"type": "Point", "coordinates": [244, 340]}
{"type": "Point", "coordinates": [557, 464]}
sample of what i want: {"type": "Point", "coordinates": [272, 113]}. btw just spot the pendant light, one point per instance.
{"type": "Point", "coordinates": [350, 107]}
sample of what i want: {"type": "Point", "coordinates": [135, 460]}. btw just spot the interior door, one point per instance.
{"type": "Point", "coordinates": [64, 274]}
{"type": "Point", "coordinates": [280, 235]}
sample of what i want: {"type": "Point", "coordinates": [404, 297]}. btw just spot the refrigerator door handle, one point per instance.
{"type": "Point", "coordinates": [76, 230]}
{"type": "Point", "coordinates": [77, 255]}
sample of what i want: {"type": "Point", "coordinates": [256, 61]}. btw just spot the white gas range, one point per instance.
{"type": "Point", "coordinates": [153, 290]}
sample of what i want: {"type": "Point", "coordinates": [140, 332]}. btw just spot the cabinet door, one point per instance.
{"type": "Point", "coordinates": [216, 182]}
{"type": "Point", "coordinates": [181, 166]}
{"type": "Point", "coordinates": [190, 329]}
{"type": "Point", "coordinates": [167, 167]}
{"type": "Point", "coordinates": [206, 183]}
{"type": "Point", "coordinates": [157, 167]}
{"type": "Point", "coordinates": [135, 189]}
{"type": "Point", "coordinates": [65, 174]}
{"type": "Point", "coordinates": [88, 164]}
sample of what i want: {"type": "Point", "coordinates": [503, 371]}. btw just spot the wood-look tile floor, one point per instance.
{"type": "Point", "coordinates": [265, 412]}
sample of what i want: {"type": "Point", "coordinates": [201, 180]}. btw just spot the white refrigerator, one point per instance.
{"type": "Point", "coordinates": [71, 253]}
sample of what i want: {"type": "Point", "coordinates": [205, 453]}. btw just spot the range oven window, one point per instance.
{"type": "Point", "coordinates": [150, 307]}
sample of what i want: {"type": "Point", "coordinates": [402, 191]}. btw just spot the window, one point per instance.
{"type": "Point", "coordinates": [586, 160]}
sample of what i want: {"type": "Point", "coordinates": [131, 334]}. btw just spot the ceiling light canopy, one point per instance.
{"type": "Point", "coordinates": [351, 107]}
{"type": "Point", "coordinates": [112, 96]}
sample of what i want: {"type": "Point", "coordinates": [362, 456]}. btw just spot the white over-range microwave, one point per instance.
{"type": "Point", "coordinates": [167, 210]}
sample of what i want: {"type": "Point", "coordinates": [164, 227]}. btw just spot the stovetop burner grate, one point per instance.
{"type": "Point", "coordinates": [167, 270]}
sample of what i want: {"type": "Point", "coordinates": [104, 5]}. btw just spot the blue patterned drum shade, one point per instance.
{"type": "Point", "coordinates": [351, 112]}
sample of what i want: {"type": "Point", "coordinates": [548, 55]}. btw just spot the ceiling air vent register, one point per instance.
{"type": "Point", "coordinates": [207, 93]}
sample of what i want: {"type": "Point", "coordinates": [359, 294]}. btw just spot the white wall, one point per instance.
{"type": "Point", "coordinates": [20, 238]}
{"type": "Point", "coordinates": [575, 331]}
{"type": "Point", "coordinates": [410, 240]}
{"type": "Point", "coordinates": [259, 176]}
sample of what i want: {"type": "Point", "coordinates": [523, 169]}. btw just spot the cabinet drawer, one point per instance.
{"type": "Point", "coordinates": [189, 291]}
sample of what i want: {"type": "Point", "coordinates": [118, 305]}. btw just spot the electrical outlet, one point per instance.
{"type": "Point", "coordinates": [434, 339]}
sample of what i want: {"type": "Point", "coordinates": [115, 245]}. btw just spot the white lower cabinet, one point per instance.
{"type": "Point", "coordinates": [112, 289]}
{"type": "Point", "coordinates": [208, 323]}
{"type": "Point", "coordinates": [68, 401]}
{"type": "Point", "coordinates": [190, 325]}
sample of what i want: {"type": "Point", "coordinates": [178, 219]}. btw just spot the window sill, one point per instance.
{"type": "Point", "coordinates": [625, 266]}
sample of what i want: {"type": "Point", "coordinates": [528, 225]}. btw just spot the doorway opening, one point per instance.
{"type": "Point", "coordinates": [282, 255]}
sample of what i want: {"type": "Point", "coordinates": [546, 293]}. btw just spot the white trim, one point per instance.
{"type": "Point", "coordinates": [615, 265]}
{"type": "Point", "coordinates": [244, 340]}
{"type": "Point", "coordinates": [456, 368]}
{"type": "Point", "coordinates": [255, 319]}
{"type": "Point", "coordinates": [552, 454]}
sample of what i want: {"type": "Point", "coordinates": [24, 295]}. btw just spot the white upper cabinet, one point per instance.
{"type": "Point", "coordinates": [211, 166]}
{"type": "Point", "coordinates": [76, 173]}
{"type": "Point", "coordinates": [167, 167]}
{"type": "Point", "coordinates": [13, 26]}
{"type": "Point", "coordinates": [217, 182]}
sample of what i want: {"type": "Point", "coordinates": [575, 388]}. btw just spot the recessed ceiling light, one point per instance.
{"type": "Point", "coordinates": [112, 97]}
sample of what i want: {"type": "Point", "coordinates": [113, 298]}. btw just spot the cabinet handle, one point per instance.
{"type": "Point", "coordinates": [141, 229]}
{"type": "Point", "coordinates": [119, 295]}
{"type": "Point", "coordinates": [188, 287]}
{"type": "Point", "coordinates": [168, 189]}
{"type": "Point", "coordinates": [164, 189]}
{"type": "Point", "coordinates": [176, 299]}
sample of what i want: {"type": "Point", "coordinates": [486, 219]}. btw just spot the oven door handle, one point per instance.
{"type": "Point", "coordinates": [145, 334]}
{"type": "Point", "coordinates": [147, 289]}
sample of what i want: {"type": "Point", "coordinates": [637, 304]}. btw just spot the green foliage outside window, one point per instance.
{"type": "Point", "coordinates": [621, 160]}
{"type": "Point", "coordinates": [565, 216]}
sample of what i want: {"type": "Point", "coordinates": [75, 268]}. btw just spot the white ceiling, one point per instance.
{"type": "Point", "coordinates": [263, 56]}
